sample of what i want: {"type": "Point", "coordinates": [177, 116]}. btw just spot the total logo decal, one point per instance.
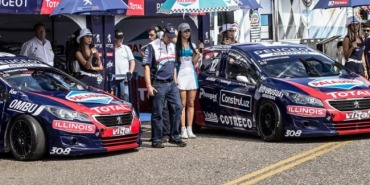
{"type": "Point", "coordinates": [335, 83]}
{"type": "Point", "coordinates": [22, 106]}
{"type": "Point", "coordinates": [210, 117]}
{"type": "Point", "coordinates": [88, 97]}
{"type": "Point", "coordinates": [111, 109]}
{"type": "Point", "coordinates": [358, 115]}
{"type": "Point", "coordinates": [349, 94]}
{"type": "Point", "coordinates": [121, 131]}
{"type": "Point", "coordinates": [236, 121]}
{"type": "Point", "coordinates": [203, 94]}
{"type": "Point", "coordinates": [235, 100]}
{"type": "Point", "coordinates": [73, 127]}
{"type": "Point", "coordinates": [306, 111]}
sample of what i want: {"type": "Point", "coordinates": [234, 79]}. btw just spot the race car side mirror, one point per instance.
{"type": "Point", "coordinates": [242, 79]}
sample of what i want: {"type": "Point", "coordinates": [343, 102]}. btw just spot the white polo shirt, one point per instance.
{"type": "Point", "coordinates": [123, 55]}
{"type": "Point", "coordinates": [36, 50]}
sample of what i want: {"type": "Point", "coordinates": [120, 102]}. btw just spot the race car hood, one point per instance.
{"type": "Point", "coordinates": [323, 86]}
{"type": "Point", "coordinates": [92, 102]}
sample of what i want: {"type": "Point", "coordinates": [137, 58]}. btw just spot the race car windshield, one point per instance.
{"type": "Point", "coordinates": [41, 80]}
{"type": "Point", "coordinates": [302, 67]}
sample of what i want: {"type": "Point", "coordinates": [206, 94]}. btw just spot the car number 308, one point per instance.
{"type": "Point", "coordinates": [60, 151]}
{"type": "Point", "coordinates": [293, 133]}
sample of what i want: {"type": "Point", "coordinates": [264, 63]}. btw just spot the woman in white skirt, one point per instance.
{"type": "Point", "coordinates": [187, 56]}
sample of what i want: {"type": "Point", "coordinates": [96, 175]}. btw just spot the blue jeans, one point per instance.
{"type": "Point", "coordinates": [166, 91]}
{"type": "Point", "coordinates": [121, 90]}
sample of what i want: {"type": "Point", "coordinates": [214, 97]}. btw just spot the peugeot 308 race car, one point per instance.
{"type": "Point", "coordinates": [279, 90]}
{"type": "Point", "coordinates": [43, 110]}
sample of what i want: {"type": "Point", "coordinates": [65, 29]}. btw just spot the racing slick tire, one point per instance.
{"type": "Point", "coordinates": [270, 122]}
{"type": "Point", "coordinates": [27, 139]}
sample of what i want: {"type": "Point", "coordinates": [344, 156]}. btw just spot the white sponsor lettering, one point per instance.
{"type": "Point", "coordinates": [358, 115]}
{"type": "Point", "coordinates": [210, 117]}
{"type": "Point", "coordinates": [22, 106]}
{"type": "Point", "coordinates": [235, 100]}
{"type": "Point", "coordinates": [110, 108]}
{"type": "Point", "coordinates": [12, 91]}
{"type": "Point", "coordinates": [60, 151]}
{"type": "Point", "coordinates": [121, 131]}
{"type": "Point", "coordinates": [203, 94]}
{"type": "Point", "coordinates": [293, 133]}
{"type": "Point", "coordinates": [13, 3]}
{"type": "Point", "coordinates": [271, 92]}
{"type": "Point", "coordinates": [334, 82]}
{"type": "Point", "coordinates": [51, 4]}
{"type": "Point", "coordinates": [212, 79]}
{"type": "Point", "coordinates": [236, 121]}
{"type": "Point", "coordinates": [349, 94]}
{"type": "Point", "coordinates": [134, 6]}
{"type": "Point", "coordinates": [306, 111]}
{"type": "Point", "coordinates": [73, 127]}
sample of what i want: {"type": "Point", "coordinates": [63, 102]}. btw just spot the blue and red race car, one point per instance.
{"type": "Point", "coordinates": [44, 110]}
{"type": "Point", "coordinates": [279, 90]}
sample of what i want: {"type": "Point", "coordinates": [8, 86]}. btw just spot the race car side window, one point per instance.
{"type": "Point", "coordinates": [3, 93]}
{"type": "Point", "coordinates": [238, 68]}
{"type": "Point", "coordinates": [211, 63]}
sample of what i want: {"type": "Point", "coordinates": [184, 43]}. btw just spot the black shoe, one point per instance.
{"type": "Point", "coordinates": [179, 142]}
{"type": "Point", "coordinates": [165, 139]}
{"type": "Point", "coordinates": [157, 145]}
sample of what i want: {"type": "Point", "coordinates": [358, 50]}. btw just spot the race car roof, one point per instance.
{"type": "Point", "coordinates": [11, 61]}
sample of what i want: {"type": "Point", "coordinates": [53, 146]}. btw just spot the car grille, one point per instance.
{"type": "Point", "coordinates": [115, 120]}
{"type": "Point", "coordinates": [350, 125]}
{"type": "Point", "coordinates": [349, 105]}
{"type": "Point", "coordinates": [120, 140]}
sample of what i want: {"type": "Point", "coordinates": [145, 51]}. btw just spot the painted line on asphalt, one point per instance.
{"type": "Point", "coordinates": [283, 163]}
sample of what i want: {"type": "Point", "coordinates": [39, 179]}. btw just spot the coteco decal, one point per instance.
{"type": "Point", "coordinates": [306, 111]}
{"type": "Point", "coordinates": [111, 109]}
{"type": "Point", "coordinates": [88, 97]}
{"type": "Point", "coordinates": [203, 94]}
{"type": "Point", "coordinates": [73, 127]}
{"type": "Point", "coordinates": [210, 117]}
{"type": "Point", "coordinates": [349, 94]}
{"type": "Point", "coordinates": [236, 121]}
{"type": "Point", "coordinates": [335, 83]}
{"type": "Point", "coordinates": [235, 100]}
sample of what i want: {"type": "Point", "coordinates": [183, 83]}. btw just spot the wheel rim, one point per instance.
{"type": "Point", "coordinates": [21, 138]}
{"type": "Point", "coordinates": [268, 120]}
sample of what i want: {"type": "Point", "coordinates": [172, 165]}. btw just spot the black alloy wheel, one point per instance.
{"type": "Point", "coordinates": [270, 124]}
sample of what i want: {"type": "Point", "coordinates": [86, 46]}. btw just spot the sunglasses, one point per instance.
{"type": "Point", "coordinates": [366, 30]}
{"type": "Point", "coordinates": [187, 31]}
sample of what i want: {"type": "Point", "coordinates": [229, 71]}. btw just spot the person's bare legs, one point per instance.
{"type": "Point", "coordinates": [183, 95]}
{"type": "Point", "coordinates": [190, 111]}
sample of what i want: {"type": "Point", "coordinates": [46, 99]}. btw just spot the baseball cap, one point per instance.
{"type": "Point", "coordinates": [184, 26]}
{"type": "Point", "coordinates": [352, 20]}
{"type": "Point", "coordinates": [169, 30]}
{"type": "Point", "coordinates": [118, 34]}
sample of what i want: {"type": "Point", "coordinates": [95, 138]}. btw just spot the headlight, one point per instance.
{"type": "Point", "coordinates": [67, 114]}
{"type": "Point", "coordinates": [302, 99]}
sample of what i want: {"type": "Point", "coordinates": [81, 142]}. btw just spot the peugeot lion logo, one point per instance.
{"type": "Point", "coordinates": [119, 121]}
{"type": "Point", "coordinates": [356, 104]}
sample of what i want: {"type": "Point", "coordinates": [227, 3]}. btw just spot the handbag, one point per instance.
{"type": "Point", "coordinates": [76, 66]}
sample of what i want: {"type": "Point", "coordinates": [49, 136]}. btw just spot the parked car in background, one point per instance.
{"type": "Point", "coordinates": [278, 90]}
{"type": "Point", "coordinates": [46, 111]}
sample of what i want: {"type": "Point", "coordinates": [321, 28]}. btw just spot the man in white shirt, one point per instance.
{"type": "Point", "coordinates": [124, 62]}
{"type": "Point", "coordinates": [38, 47]}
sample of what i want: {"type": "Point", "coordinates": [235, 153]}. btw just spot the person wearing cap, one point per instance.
{"type": "Point", "coordinates": [124, 63]}
{"type": "Point", "coordinates": [39, 47]}
{"type": "Point", "coordinates": [187, 56]}
{"type": "Point", "coordinates": [228, 34]}
{"type": "Point", "coordinates": [85, 54]}
{"type": "Point", "coordinates": [353, 47]}
{"type": "Point", "coordinates": [160, 78]}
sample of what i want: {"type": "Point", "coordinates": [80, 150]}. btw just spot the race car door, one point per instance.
{"type": "Point", "coordinates": [237, 89]}
{"type": "Point", "coordinates": [3, 97]}
{"type": "Point", "coordinates": [208, 80]}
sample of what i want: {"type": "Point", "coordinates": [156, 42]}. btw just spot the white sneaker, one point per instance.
{"type": "Point", "coordinates": [184, 133]}
{"type": "Point", "coordinates": [190, 132]}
